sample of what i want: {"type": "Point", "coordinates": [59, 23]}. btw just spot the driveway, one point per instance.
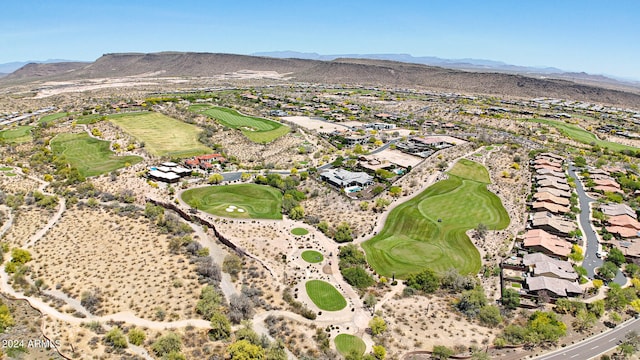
{"type": "Point", "coordinates": [591, 260]}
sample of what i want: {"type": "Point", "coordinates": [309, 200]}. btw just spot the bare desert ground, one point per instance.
{"type": "Point", "coordinates": [127, 259]}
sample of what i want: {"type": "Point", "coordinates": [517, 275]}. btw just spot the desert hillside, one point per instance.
{"type": "Point", "coordinates": [340, 71]}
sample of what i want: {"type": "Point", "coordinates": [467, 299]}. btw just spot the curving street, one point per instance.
{"type": "Point", "coordinates": [591, 260]}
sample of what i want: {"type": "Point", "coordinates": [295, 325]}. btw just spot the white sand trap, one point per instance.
{"type": "Point", "coordinates": [240, 210]}
{"type": "Point", "coordinates": [229, 210]}
{"type": "Point", "coordinates": [232, 207]}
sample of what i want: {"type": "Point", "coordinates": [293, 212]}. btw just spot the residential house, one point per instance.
{"type": "Point", "coordinates": [552, 156]}
{"type": "Point", "coordinates": [355, 139]}
{"type": "Point", "coordinates": [549, 197]}
{"type": "Point", "coordinates": [538, 240]}
{"type": "Point", "coordinates": [553, 184]}
{"type": "Point", "coordinates": [558, 179]}
{"type": "Point", "coordinates": [551, 223]}
{"type": "Point", "coordinates": [205, 162]}
{"type": "Point", "coordinates": [543, 171]}
{"type": "Point", "coordinates": [542, 265]}
{"type": "Point", "coordinates": [607, 182]}
{"type": "Point", "coordinates": [623, 226]}
{"type": "Point", "coordinates": [612, 209]}
{"type": "Point", "coordinates": [343, 178]}
{"type": "Point", "coordinates": [554, 286]}
{"type": "Point", "coordinates": [548, 167]}
{"type": "Point", "coordinates": [554, 191]}
{"type": "Point", "coordinates": [433, 142]}
{"type": "Point", "coordinates": [168, 172]}
{"type": "Point", "coordinates": [547, 162]}
{"type": "Point", "coordinates": [550, 207]}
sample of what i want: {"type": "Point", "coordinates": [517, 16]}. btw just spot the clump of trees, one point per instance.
{"type": "Point", "coordinates": [540, 328]}
{"type": "Point", "coordinates": [116, 338]}
{"type": "Point", "coordinates": [291, 195]}
{"type": "Point", "coordinates": [168, 346]}
{"type": "Point", "coordinates": [352, 266]}
{"type": "Point", "coordinates": [248, 345]}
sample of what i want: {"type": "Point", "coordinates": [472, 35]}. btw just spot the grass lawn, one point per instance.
{"type": "Point", "coordinates": [52, 117]}
{"type": "Point", "coordinates": [237, 201]}
{"type": "Point", "coordinates": [162, 135]}
{"type": "Point", "coordinates": [18, 135]}
{"type": "Point", "coordinates": [91, 156]}
{"type": "Point", "coordinates": [299, 231]}
{"type": "Point", "coordinates": [5, 168]}
{"type": "Point", "coordinates": [428, 231]}
{"type": "Point", "coordinates": [258, 130]}
{"type": "Point", "coordinates": [346, 343]}
{"type": "Point", "coordinates": [312, 256]}
{"type": "Point", "coordinates": [325, 296]}
{"type": "Point", "coordinates": [88, 119]}
{"type": "Point", "coordinates": [581, 135]}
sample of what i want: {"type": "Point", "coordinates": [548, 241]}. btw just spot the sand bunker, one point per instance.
{"type": "Point", "coordinates": [232, 208]}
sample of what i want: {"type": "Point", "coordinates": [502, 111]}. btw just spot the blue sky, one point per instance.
{"type": "Point", "coordinates": [599, 37]}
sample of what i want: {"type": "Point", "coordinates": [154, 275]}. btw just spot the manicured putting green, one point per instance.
{"type": "Point", "coordinates": [312, 256]}
{"type": "Point", "coordinates": [258, 130]}
{"type": "Point", "coordinates": [299, 231]}
{"type": "Point", "coordinates": [345, 344]}
{"type": "Point", "coordinates": [237, 201]}
{"type": "Point", "coordinates": [89, 155]}
{"type": "Point", "coordinates": [581, 135]}
{"type": "Point", "coordinates": [162, 135]}
{"type": "Point", "coordinates": [16, 135]}
{"type": "Point", "coordinates": [428, 231]}
{"type": "Point", "coordinates": [325, 296]}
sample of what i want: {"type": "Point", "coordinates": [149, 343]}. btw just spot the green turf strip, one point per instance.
{"type": "Point", "coordinates": [258, 130]}
{"type": "Point", "coordinates": [428, 231]}
{"type": "Point", "coordinates": [162, 135]}
{"type": "Point", "coordinates": [89, 155]}
{"type": "Point", "coordinates": [256, 201]}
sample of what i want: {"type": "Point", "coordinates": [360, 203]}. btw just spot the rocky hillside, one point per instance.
{"type": "Point", "coordinates": [339, 71]}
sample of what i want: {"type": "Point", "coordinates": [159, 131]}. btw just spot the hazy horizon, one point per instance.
{"type": "Point", "coordinates": [575, 36]}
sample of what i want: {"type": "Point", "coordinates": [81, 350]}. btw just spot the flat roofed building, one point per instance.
{"type": "Point", "coordinates": [343, 178]}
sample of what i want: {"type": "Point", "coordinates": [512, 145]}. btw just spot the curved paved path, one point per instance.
{"type": "Point", "coordinates": [591, 260]}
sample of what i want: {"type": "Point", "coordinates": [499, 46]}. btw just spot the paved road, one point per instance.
{"type": "Point", "coordinates": [595, 345]}
{"type": "Point", "coordinates": [591, 261]}
{"type": "Point", "coordinates": [383, 147]}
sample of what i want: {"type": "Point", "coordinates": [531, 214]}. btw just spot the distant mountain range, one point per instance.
{"type": "Point", "coordinates": [362, 71]}
{"type": "Point", "coordinates": [466, 64]}
{"type": "Point", "coordinates": [8, 68]}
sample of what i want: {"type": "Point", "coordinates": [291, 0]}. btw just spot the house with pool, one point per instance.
{"type": "Point", "coordinates": [348, 180]}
